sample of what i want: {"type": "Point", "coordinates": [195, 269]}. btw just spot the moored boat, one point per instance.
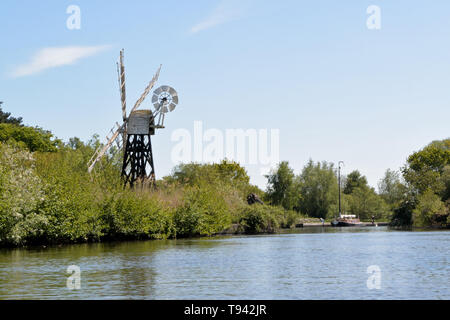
{"type": "Point", "coordinates": [346, 221]}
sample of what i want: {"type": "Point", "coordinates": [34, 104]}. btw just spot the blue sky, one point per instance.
{"type": "Point", "coordinates": [334, 88]}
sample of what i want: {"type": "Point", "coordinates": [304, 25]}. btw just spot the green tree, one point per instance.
{"type": "Point", "coordinates": [225, 172]}
{"type": "Point", "coordinates": [430, 210]}
{"type": "Point", "coordinates": [354, 180]}
{"type": "Point", "coordinates": [318, 188]}
{"type": "Point", "coordinates": [281, 188]}
{"type": "Point", "coordinates": [445, 177]}
{"type": "Point", "coordinates": [424, 168]}
{"type": "Point", "coordinates": [5, 117]}
{"type": "Point", "coordinates": [391, 189]}
{"type": "Point", "coordinates": [441, 144]}
{"type": "Point", "coordinates": [402, 214]}
{"type": "Point", "coordinates": [365, 203]}
{"type": "Point", "coordinates": [426, 172]}
{"type": "Point", "coordinates": [75, 143]}
{"type": "Point", "coordinates": [232, 172]}
{"type": "Point", "coordinates": [34, 139]}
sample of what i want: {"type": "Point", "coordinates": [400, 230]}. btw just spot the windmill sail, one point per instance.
{"type": "Point", "coordinates": [123, 96]}
{"type": "Point", "coordinates": [147, 90]}
{"type": "Point", "coordinates": [120, 135]}
{"type": "Point", "coordinates": [100, 152]}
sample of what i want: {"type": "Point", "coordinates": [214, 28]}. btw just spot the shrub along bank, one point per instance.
{"type": "Point", "coordinates": [48, 197]}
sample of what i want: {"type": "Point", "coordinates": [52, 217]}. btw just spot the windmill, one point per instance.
{"type": "Point", "coordinates": [134, 134]}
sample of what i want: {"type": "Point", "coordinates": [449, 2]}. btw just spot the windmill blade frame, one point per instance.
{"type": "Point", "coordinates": [100, 152]}
{"type": "Point", "coordinates": [133, 136]}
{"type": "Point", "coordinates": [123, 95]}
{"type": "Point", "coordinates": [147, 90]}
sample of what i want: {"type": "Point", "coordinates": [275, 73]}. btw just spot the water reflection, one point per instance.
{"type": "Point", "coordinates": [308, 263]}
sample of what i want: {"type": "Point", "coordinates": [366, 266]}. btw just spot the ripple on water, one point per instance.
{"type": "Point", "coordinates": [306, 264]}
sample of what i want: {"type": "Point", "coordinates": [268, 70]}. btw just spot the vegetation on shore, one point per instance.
{"type": "Point", "coordinates": [418, 195]}
{"type": "Point", "coordinates": [47, 195]}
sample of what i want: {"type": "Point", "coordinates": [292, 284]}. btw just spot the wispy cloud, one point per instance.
{"type": "Point", "coordinates": [55, 57]}
{"type": "Point", "coordinates": [226, 11]}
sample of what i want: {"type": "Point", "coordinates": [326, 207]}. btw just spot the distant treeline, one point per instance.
{"type": "Point", "coordinates": [417, 195]}
{"type": "Point", "coordinates": [47, 195]}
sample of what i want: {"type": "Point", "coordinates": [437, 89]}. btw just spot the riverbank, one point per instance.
{"type": "Point", "coordinates": [261, 226]}
{"type": "Point", "coordinates": [328, 224]}
{"type": "Point", "coordinates": [236, 229]}
{"type": "Point", "coordinates": [50, 198]}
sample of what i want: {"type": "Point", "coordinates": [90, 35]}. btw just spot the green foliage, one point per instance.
{"type": "Point", "coordinates": [204, 212]}
{"type": "Point", "coordinates": [365, 203]}
{"type": "Point", "coordinates": [266, 219]}
{"type": "Point", "coordinates": [290, 218]}
{"type": "Point", "coordinates": [50, 197]}
{"type": "Point", "coordinates": [20, 193]}
{"type": "Point", "coordinates": [402, 215]}
{"type": "Point", "coordinates": [71, 200]}
{"type": "Point", "coordinates": [232, 173]}
{"type": "Point", "coordinates": [445, 177]}
{"type": "Point", "coordinates": [136, 215]}
{"type": "Point", "coordinates": [33, 139]}
{"type": "Point", "coordinates": [391, 189]}
{"type": "Point", "coordinates": [258, 218]}
{"type": "Point", "coordinates": [430, 210]}
{"type": "Point", "coordinates": [424, 169]}
{"type": "Point", "coordinates": [47, 195]}
{"type": "Point", "coordinates": [427, 175]}
{"type": "Point", "coordinates": [196, 174]}
{"type": "Point", "coordinates": [354, 180]}
{"type": "Point", "coordinates": [318, 187]}
{"type": "Point", "coordinates": [226, 174]}
{"type": "Point", "coordinates": [5, 117]}
{"type": "Point", "coordinates": [281, 189]}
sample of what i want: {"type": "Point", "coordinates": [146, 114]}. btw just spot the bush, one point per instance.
{"type": "Point", "coordinates": [430, 210]}
{"type": "Point", "coordinates": [291, 218]}
{"type": "Point", "coordinates": [134, 215]}
{"type": "Point", "coordinates": [204, 212]}
{"type": "Point", "coordinates": [20, 194]}
{"type": "Point", "coordinates": [260, 218]}
{"type": "Point", "coordinates": [402, 216]}
{"type": "Point", "coordinates": [49, 197]}
{"type": "Point", "coordinates": [34, 139]}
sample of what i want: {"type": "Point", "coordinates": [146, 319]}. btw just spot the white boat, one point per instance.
{"type": "Point", "coordinates": [346, 221]}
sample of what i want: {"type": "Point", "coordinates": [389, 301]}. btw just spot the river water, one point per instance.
{"type": "Point", "coordinates": [309, 263]}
